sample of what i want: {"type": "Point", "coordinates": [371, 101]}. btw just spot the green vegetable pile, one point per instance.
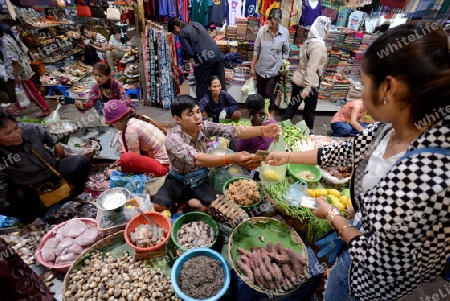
{"type": "Point", "coordinates": [315, 227]}
{"type": "Point", "coordinates": [236, 123]}
{"type": "Point", "coordinates": [292, 134]}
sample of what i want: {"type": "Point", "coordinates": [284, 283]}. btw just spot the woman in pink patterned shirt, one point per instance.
{"type": "Point", "coordinates": [142, 138]}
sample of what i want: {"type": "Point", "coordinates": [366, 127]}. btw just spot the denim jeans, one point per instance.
{"type": "Point", "coordinates": [344, 129]}
{"type": "Point", "coordinates": [337, 282]}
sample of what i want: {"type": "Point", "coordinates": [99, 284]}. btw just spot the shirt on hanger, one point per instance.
{"type": "Point", "coordinates": [234, 10]}
{"type": "Point", "coordinates": [217, 13]}
{"type": "Point", "coordinates": [309, 14]}
{"type": "Point", "coordinates": [342, 17]}
{"type": "Point", "coordinates": [167, 8]}
{"type": "Point", "coordinates": [250, 8]}
{"type": "Point", "coordinates": [355, 19]}
{"type": "Point", "coordinates": [199, 11]}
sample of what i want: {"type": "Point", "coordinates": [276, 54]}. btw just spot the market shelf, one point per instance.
{"type": "Point", "coordinates": [50, 61]}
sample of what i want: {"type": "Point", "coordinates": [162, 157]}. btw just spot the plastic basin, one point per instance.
{"type": "Point", "coordinates": [193, 217]}
{"type": "Point", "coordinates": [158, 218]}
{"type": "Point", "coordinates": [254, 205]}
{"type": "Point", "coordinates": [62, 267]}
{"type": "Point", "coordinates": [194, 253]}
{"type": "Point", "coordinates": [295, 169]}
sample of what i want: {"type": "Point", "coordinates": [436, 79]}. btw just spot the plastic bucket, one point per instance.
{"type": "Point", "coordinates": [194, 253]}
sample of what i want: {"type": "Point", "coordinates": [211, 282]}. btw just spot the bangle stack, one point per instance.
{"type": "Point", "coordinates": [331, 214]}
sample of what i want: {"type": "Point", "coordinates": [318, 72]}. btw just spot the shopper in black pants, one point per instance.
{"type": "Point", "coordinates": [310, 105]}
{"type": "Point", "coordinates": [306, 79]}
{"type": "Point", "coordinates": [198, 45]}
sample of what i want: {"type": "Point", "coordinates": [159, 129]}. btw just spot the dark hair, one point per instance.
{"type": "Point", "coordinates": [7, 30]}
{"type": "Point", "coordinates": [276, 14]}
{"type": "Point", "coordinates": [174, 22]}
{"type": "Point", "coordinates": [182, 102]}
{"type": "Point", "coordinates": [4, 117]}
{"type": "Point", "coordinates": [255, 105]}
{"type": "Point", "coordinates": [423, 65]}
{"type": "Point", "coordinates": [103, 68]}
{"type": "Point", "coordinates": [85, 27]}
{"type": "Point", "coordinates": [133, 114]}
{"type": "Point", "coordinates": [211, 78]}
{"type": "Point", "coordinates": [115, 30]}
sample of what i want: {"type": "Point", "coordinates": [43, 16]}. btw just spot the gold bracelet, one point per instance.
{"type": "Point", "coordinates": [343, 228]}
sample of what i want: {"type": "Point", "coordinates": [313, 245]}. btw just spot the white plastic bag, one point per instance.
{"type": "Point", "coordinates": [223, 114]}
{"type": "Point", "coordinates": [22, 97]}
{"type": "Point", "coordinates": [54, 116]}
{"type": "Point", "coordinates": [249, 87]}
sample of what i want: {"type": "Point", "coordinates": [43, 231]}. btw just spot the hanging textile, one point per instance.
{"type": "Point", "coordinates": [393, 3]}
{"type": "Point", "coordinates": [168, 8]}
{"type": "Point", "coordinates": [310, 11]}
{"type": "Point", "coordinates": [234, 10]}
{"type": "Point", "coordinates": [286, 8]}
{"type": "Point", "coordinates": [175, 69]}
{"type": "Point", "coordinates": [218, 12]}
{"type": "Point", "coordinates": [296, 12]}
{"type": "Point", "coordinates": [199, 11]}
{"type": "Point", "coordinates": [159, 70]}
{"type": "Point", "coordinates": [151, 9]}
{"type": "Point", "coordinates": [250, 8]}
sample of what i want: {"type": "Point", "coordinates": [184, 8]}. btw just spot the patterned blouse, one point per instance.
{"type": "Point", "coordinates": [406, 216]}
{"type": "Point", "coordinates": [182, 149]}
{"type": "Point", "coordinates": [98, 96]}
{"type": "Point", "coordinates": [145, 139]}
{"type": "Point", "coordinates": [12, 52]}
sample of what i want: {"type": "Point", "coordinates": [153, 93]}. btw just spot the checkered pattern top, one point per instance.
{"type": "Point", "coordinates": [406, 216]}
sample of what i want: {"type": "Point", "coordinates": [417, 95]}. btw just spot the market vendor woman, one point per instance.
{"type": "Point", "coordinates": [401, 172]}
{"type": "Point", "coordinates": [23, 166]}
{"type": "Point", "coordinates": [186, 144]}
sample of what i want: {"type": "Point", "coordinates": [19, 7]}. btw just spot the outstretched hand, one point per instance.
{"type": "Point", "coordinates": [277, 158]}
{"type": "Point", "coordinates": [247, 160]}
{"type": "Point", "coordinates": [272, 130]}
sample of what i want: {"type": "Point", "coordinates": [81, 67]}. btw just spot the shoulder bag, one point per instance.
{"type": "Point", "coordinates": [54, 189]}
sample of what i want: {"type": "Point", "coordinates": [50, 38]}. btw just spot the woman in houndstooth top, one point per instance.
{"type": "Point", "coordinates": [401, 179]}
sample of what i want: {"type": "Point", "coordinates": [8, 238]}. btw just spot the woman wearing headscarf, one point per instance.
{"type": "Point", "coordinates": [306, 79]}
{"type": "Point", "coordinates": [18, 69]}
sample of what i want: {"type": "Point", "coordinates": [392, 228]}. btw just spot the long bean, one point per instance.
{"type": "Point", "coordinates": [315, 227]}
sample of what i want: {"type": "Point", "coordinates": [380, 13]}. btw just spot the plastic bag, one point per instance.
{"type": "Point", "coordinates": [270, 174]}
{"type": "Point", "coordinates": [22, 97]}
{"type": "Point", "coordinates": [223, 174]}
{"type": "Point", "coordinates": [83, 147]}
{"type": "Point", "coordinates": [54, 116]}
{"type": "Point", "coordinates": [249, 87]}
{"type": "Point", "coordinates": [135, 183]}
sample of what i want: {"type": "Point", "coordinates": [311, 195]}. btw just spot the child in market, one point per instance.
{"type": "Point", "coordinates": [350, 120]}
{"type": "Point", "coordinates": [105, 89]}
{"type": "Point", "coordinates": [255, 105]}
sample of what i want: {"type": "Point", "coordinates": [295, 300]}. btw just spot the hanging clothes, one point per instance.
{"type": "Point", "coordinates": [218, 12]}
{"type": "Point", "coordinates": [250, 8]}
{"type": "Point", "coordinates": [393, 3]}
{"type": "Point", "coordinates": [286, 8]}
{"type": "Point", "coordinates": [330, 13]}
{"type": "Point", "coordinates": [355, 19]}
{"type": "Point", "coordinates": [151, 9]}
{"type": "Point", "coordinates": [343, 17]}
{"type": "Point", "coordinates": [168, 8]}
{"type": "Point", "coordinates": [199, 11]}
{"type": "Point", "coordinates": [234, 10]}
{"type": "Point", "coordinates": [159, 67]}
{"type": "Point", "coordinates": [296, 12]}
{"type": "Point", "coordinates": [310, 11]}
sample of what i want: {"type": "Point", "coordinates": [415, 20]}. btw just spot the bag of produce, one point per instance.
{"type": "Point", "coordinates": [270, 174]}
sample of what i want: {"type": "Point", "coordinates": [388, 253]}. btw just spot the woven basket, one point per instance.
{"type": "Point", "coordinates": [294, 237]}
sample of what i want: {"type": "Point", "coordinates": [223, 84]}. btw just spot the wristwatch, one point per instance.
{"type": "Point", "coordinates": [331, 214]}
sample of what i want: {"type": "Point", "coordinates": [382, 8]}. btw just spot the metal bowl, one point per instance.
{"type": "Point", "coordinates": [121, 193]}
{"type": "Point", "coordinates": [63, 128]}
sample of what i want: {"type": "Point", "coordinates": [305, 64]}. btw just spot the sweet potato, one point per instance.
{"type": "Point", "coordinates": [259, 279]}
{"type": "Point", "coordinates": [247, 261]}
{"type": "Point", "coordinates": [244, 252]}
{"type": "Point", "coordinates": [295, 263]}
{"type": "Point", "coordinates": [287, 272]}
{"type": "Point", "coordinates": [277, 271]}
{"type": "Point", "coordinates": [264, 272]}
{"type": "Point", "coordinates": [279, 258]}
{"type": "Point", "coordinates": [280, 249]}
{"type": "Point", "coordinates": [270, 248]}
{"type": "Point", "coordinates": [246, 270]}
{"type": "Point", "coordinates": [299, 257]}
